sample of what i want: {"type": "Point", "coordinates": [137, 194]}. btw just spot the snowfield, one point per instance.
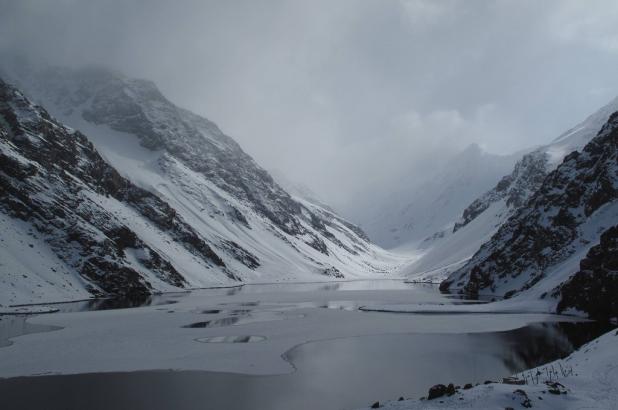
{"type": "Point", "coordinates": [589, 381]}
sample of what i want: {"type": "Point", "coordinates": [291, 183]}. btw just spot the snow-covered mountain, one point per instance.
{"type": "Point", "coordinates": [406, 218]}
{"type": "Point", "coordinates": [298, 190]}
{"type": "Point", "coordinates": [514, 190]}
{"type": "Point", "coordinates": [450, 250]}
{"type": "Point", "coordinates": [541, 245]}
{"type": "Point", "coordinates": [159, 194]}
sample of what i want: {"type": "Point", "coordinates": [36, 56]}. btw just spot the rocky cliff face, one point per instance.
{"type": "Point", "coordinates": [594, 288]}
{"type": "Point", "coordinates": [137, 107]}
{"type": "Point", "coordinates": [530, 172]}
{"type": "Point", "coordinates": [553, 224]}
{"type": "Point", "coordinates": [513, 189]}
{"type": "Point", "coordinates": [158, 190]}
{"type": "Point", "coordinates": [52, 178]}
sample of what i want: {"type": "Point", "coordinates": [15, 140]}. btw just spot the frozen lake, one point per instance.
{"type": "Point", "coordinates": [280, 346]}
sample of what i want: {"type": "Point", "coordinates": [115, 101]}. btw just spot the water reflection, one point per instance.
{"type": "Point", "coordinates": [243, 317]}
{"type": "Point", "coordinates": [541, 343]}
{"type": "Point", "coordinates": [231, 339]}
{"type": "Point", "coordinates": [331, 374]}
{"type": "Point", "coordinates": [17, 325]}
{"type": "Point", "coordinates": [119, 303]}
{"type": "Point", "coordinates": [226, 321]}
{"type": "Point", "coordinates": [354, 285]}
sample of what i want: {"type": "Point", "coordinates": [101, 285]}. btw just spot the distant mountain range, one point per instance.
{"type": "Point", "coordinates": [412, 214]}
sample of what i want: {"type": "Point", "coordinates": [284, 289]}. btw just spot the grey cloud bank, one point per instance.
{"type": "Point", "coordinates": [349, 97]}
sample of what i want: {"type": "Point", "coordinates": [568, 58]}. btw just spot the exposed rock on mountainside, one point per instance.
{"type": "Point", "coordinates": [561, 217]}
{"type": "Point", "coordinates": [594, 288]}
{"type": "Point", "coordinates": [514, 189]}
{"type": "Point", "coordinates": [531, 170]}
{"type": "Point", "coordinates": [137, 107]}
{"type": "Point", "coordinates": [450, 249]}
{"type": "Point", "coordinates": [52, 177]}
{"type": "Point", "coordinates": [176, 199]}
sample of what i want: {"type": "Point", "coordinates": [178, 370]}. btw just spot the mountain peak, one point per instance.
{"type": "Point", "coordinates": [192, 186]}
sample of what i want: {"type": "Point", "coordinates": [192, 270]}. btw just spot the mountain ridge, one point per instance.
{"type": "Point", "coordinates": [254, 229]}
{"type": "Point", "coordinates": [564, 217]}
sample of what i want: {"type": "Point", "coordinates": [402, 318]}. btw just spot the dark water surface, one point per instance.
{"type": "Point", "coordinates": [333, 374]}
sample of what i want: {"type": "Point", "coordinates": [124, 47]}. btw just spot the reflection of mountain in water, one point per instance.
{"type": "Point", "coordinates": [541, 343]}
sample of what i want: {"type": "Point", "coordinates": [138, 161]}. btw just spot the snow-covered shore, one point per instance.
{"type": "Point", "coordinates": [589, 381]}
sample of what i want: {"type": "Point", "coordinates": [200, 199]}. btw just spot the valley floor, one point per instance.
{"type": "Point", "coordinates": [591, 382]}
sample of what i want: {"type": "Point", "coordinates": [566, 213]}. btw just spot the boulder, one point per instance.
{"type": "Point", "coordinates": [436, 391]}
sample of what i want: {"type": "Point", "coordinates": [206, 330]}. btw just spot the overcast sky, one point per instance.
{"type": "Point", "coordinates": [346, 95]}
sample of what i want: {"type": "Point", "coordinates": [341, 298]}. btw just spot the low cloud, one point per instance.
{"type": "Point", "coordinates": [347, 96]}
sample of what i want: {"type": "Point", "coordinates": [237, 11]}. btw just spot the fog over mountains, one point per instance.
{"type": "Point", "coordinates": [145, 196]}
{"type": "Point", "coordinates": [401, 204]}
{"type": "Point", "coordinates": [148, 197]}
{"type": "Point", "coordinates": [331, 85]}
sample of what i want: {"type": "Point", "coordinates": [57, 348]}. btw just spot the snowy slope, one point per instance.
{"type": "Point", "coordinates": [575, 204]}
{"type": "Point", "coordinates": [530, 171]}
{"type": "Point", "coordinates": [406, 218]}
{"type": "Point", "coordinates": [298, 190]}
{"type": "Point", "coordinates": [587, 379]}
{"type": "Point", "coordinates": [54, 188]}
{"type": "Point", "coordinates": [438, 258]}
{"type": "Point", "coordinates": [442, 254]}
{"type": "Point", "coordinates": [254, 229]}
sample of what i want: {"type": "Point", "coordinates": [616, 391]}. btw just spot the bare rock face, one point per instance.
{"type": "Point", "coordinates": [137, 107]}
{"type": "Point", "coordinates": [546, 229]}
{"type": "Point", "coordinates": [514, 189]}
{"type": "Point", "coordinates": [529, 173]}
{"type": "Point", "coordinates": [52, 178]}
{"type": "Point", "coordinates": [594, 288]}
{"type": "Point", "coordinates": [208, 199]}
{"type": "Point", "coordinates": [436, 391]}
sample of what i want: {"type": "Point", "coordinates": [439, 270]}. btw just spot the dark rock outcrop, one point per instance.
{"type": "Point", "coordinates": [544, 231]}
{"type": "Point", "coordinates": [204, 168]}
{"type": "Point", "coordinates": [440, 390]}
{"type": "Point", "coordinates": [514, 189]}
{"type": "Point", "coordinates": [594, 288]}
{"type": "Point", "coordinates": [53, 178]}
